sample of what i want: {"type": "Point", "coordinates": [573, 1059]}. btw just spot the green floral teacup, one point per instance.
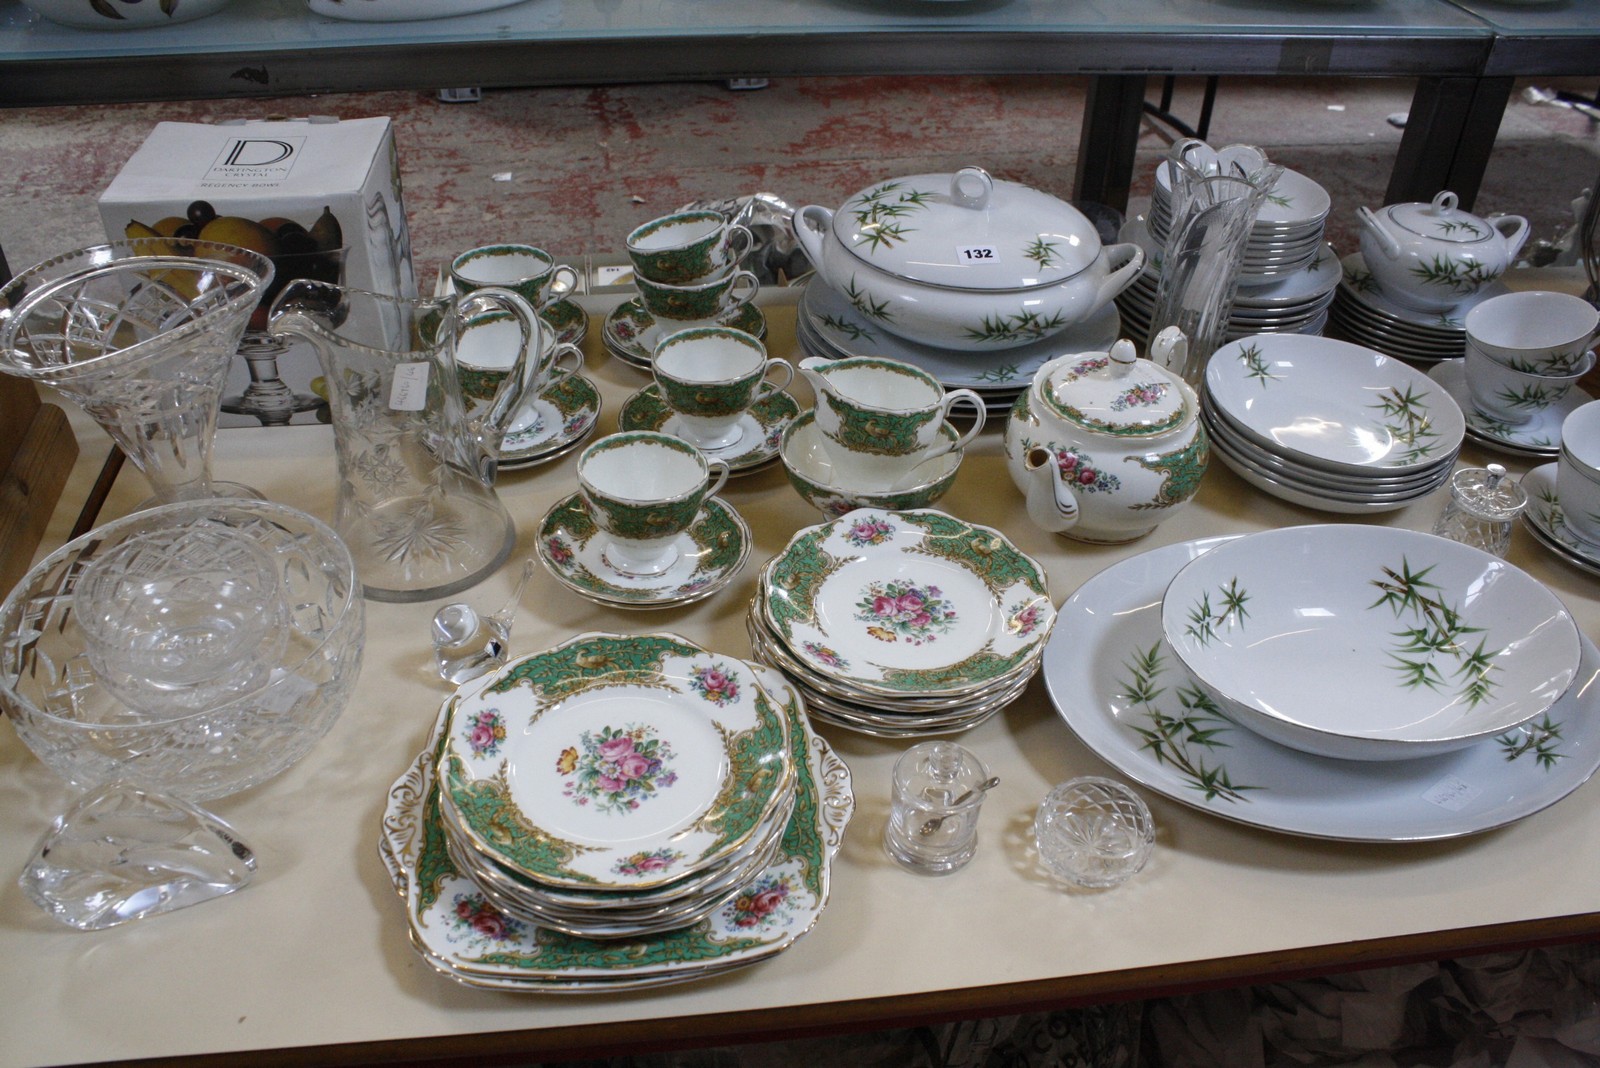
{"type": "Point", "coordinates": [486, 351]}
{"type": "Point", "coordinates": [644, 489]}
{"type": "Point", "coordinates": [704, 304]}
{"type": "Point", "coordinates": [710, 376]}
{"type": "Point", "coordinates": [687, 247]}
{"type": "Point", "coordinates": [531, 273]}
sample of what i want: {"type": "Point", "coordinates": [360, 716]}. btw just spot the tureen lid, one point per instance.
{"type": "Point", "coordinates": [966, 231]}
{"type": "Point", "coordinates": [1115, 393]}
{"type": "Point", "coordinates": [1442, 220]}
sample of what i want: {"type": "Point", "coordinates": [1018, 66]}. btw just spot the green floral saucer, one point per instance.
{"type": "Point", "coordinates": [631, 332]}
{"type": "Point", "coordinates": [559, 418]}
{"type": "Point", "coordinates": [569, 321]}
{"type": "Point", "coordinates": [710, 554]}
{"type": "Point", "coordinates": [763, 425]}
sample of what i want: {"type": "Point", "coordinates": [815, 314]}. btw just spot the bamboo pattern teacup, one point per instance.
{"type": "Point", "coordinates": [643, 490]}
{"type": "Point", "coordinates": [710, 376]}
{"type": "Point", "coordinates": [881, 418]}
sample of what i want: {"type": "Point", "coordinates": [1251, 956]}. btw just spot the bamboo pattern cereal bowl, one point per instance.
{"type": "Point", "coordinates": [1369, 643]}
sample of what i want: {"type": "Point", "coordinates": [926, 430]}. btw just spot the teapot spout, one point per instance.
{"type": "Point", "coordinates": [1380, 233]}
{"type": "Point", "coordinates": [1050, 501]}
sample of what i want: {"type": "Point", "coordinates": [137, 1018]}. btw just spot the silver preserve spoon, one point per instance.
{"type": "Point", "coordinates": [935, 822]}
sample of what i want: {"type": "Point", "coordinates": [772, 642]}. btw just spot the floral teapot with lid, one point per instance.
{"type": "Point", "coordinates": [1434, 256]}
{"type": "Point", "coordinates": [1104, 445]}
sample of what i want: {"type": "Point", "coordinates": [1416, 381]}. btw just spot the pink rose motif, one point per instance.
{"type": "Point", "coordinates": [767, 901]}
{"type": "Point", "coordinates": [610, 784]}
{"type": "Point", "coordinates": [652, 863]}
{"type": "Point", "coordinates": [616, 748]}
{"type": "Point", "coordinates": [1068, 461]}
{"type": "Point", "coordinates": [489, 924]}
{"type": "Point", "coordinates": [883, 606]}
{"type": "Point", "coordinates": [482, 736]}
{"type": "Point", "coordinates": [1086, 476]}
{"type": "Point", "coordinates": [635, 766]}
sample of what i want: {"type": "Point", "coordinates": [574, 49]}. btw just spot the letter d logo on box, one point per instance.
{"type": "Point", "coordinates": [256, 159]}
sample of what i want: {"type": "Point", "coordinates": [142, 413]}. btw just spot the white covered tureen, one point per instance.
{"type": "Point", "coordinates": [964, 261]}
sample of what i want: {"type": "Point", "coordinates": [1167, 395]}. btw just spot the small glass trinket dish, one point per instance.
{"type": "Point", "coordinates": [1094, 832]}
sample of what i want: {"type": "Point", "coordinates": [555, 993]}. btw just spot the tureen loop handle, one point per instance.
{"type": "Point", "coordinates": [970, 187]}
{"type": "Point", "coordinates": [1445, 203]}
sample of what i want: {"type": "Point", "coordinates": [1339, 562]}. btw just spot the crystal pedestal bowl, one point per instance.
{"type": "Point", "coordinates": [144, 765]}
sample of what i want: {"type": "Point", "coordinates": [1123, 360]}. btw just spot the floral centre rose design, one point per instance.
{"type": "Point", "coordinates": [716, 683]}
{"type": "Point", "coordinates": [1142, 395]}
{"type": "Point", "coordinates": [484, 732]}
{"type": "Point", "coordinates": [900, 609]}
{"type": "Point", "coordinates": [1024, 618]}
{"type": "Point", "coordinates": [617, 769]}
{"type": "Point", "coordinates": [825, 654]}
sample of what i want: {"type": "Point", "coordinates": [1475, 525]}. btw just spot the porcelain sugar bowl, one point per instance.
{"type": "Point", "coordinates": [1434, 256]}
{"type": "Point", "coordinates": [1105, 445]}
{"type": "Point", "coordinates": [964, 261]}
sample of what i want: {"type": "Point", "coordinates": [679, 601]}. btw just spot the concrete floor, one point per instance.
{"type": "Point", "coordinates": [574, 169]}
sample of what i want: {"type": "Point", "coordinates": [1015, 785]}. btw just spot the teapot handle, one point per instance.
{"type": "Point", "coordinates": [1514, 228]}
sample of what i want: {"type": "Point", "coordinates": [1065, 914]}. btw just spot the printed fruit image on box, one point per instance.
{"type": "Point", "coordinates": [319, 197]}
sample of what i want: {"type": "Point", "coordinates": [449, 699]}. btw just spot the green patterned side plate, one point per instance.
{"type": "Point", "coordinates": [572, 763]}
{"type": "Point", "coordinates": [907, 602]}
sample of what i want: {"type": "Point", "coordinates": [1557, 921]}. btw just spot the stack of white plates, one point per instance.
{"type": "Point", "coordinates": [1286, 237]}
{"type": "Point", "coordinates": [1329, 425]}
{"type": "Point", "coordinates": [827, 325]}
{"type": "Point", "coordinates": [1291, 304]}
{"type": "Point", "coordinates": [1363, 313]}
{"type": "Point", "coordinates": [902, 623]}
{"type": "Point", "coordinates": [480, 939]}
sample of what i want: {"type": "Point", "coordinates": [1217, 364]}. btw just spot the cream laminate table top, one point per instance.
{"type": "Point", "coordinates": [315, 952]}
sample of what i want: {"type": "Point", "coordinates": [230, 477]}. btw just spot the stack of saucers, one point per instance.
{"type": "Point", "coordinates": [827, 325]}
{"type": "Point", "coordinates": [902, 623]}
{"type": "Point", "coordinates": [1295, 303]}
{"type": "Point", "coordinates": [1363, 313]}
{"type": "Point", "coordinates": [482, 918]}
{"type": "Point", "coordinates": [1329, 425]}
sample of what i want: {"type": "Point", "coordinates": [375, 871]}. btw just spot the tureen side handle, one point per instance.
{"type": "Point", "coordinates": [1122, 277]}
{"type": "Point", "coordinates": [812, 235]}
{"type": "Point", "coordinates": [1049, 497]}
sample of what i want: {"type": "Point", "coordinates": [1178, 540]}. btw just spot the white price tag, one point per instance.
{"type": "Point", "coordinates": [977, 255]}
{"type": "Point", "coordinates": [409, 392]}
{"type": "Point", "coordinates": [1451, 793]}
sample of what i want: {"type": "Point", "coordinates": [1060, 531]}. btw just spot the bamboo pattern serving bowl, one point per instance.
{"type": "Point", "coordinates": [1369, 643]}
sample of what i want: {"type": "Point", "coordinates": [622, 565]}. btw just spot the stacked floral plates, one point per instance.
{"type": "Point", "coordinates": [829, 326]}
{"type": "Point", "coordinates": [663, 736]}
{"type": "Point", "coordinates": [1295, 303]}
{"type": "Point", "coordinates": [1286, 237]}
{"type": "Point", "coordinates": [902, 623]}
{"type": "Point", "coordinates": [1329, 425]}
{"type": "Point", "coordinates": [1363, 313]}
